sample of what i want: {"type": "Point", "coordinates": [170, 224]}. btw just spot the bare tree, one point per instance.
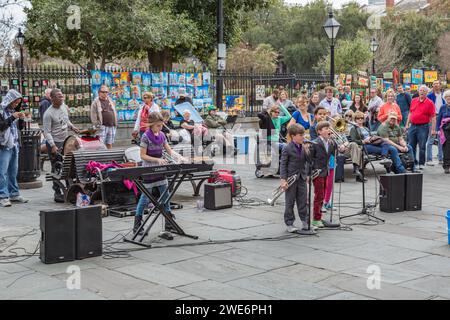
{"type": "Point", "coordinates": [389, 54]}
{"type": "Point", "coordinates": [444, 52]}
{"type": "Point", "coordinates": [7, 27]}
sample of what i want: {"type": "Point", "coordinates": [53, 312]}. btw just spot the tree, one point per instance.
{"type": "Point", "coordinates": [161, 30]}
{"type": "Point", "coordinates": [261, 59]}
{"type": "Point", "coordinates": [350, 56]}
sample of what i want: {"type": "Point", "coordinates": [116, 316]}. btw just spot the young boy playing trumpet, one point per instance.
{"type": "Point", "coordinates": [293, 165]}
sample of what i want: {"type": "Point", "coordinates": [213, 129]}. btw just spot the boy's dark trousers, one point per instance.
{"type": "Point", "coordinates": [297, 193]}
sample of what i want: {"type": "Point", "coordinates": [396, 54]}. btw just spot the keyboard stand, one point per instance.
{"type": "Point", "coordinates": [159, 204]}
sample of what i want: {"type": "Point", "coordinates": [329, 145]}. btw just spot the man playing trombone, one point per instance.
{"type": "Point", "coordinates": [293, 178]}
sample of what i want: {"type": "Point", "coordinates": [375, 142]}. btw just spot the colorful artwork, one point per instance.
{"type": "Point", "coordinates": [136, 78]}
{"type": "Point", "coordinates": [206, 78]}
{"type": "Point", "coordinates": [407, 78]}
{"type": "Point", "coordinates": [388, 75]}
{"type": "Point", "coordinates": [202, 92]}
{"type": "Point", "coordinates": [135, 92]}
{"type": "Point", "coordinates": [363, 82]}
{"type": "Point", "coordinates": [380, 83]}
{"type": "Point", "coordinates": [431, 76]}
{"type": "Point", "coordinates": [147, 79]}
{"type": "Point", "coordinates": [173, 92]}
{"type": "Point", "coordinates": [177, 79]}
{"type": "Point", "coordinates": [160, 79]}
{"type": "Point", "coordinates": [416, 76]}
{"type": "Point", "coordinates": [190, 79]}
{"type": "Point", "coordinates": [348, 79]}
{"type": "Point", "coordinates": [96, 78]}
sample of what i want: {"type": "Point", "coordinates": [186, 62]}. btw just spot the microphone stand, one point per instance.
{"type": "Point", "coordinates": [309, 231]}
{"type": "Point", "coordinates": [366, 207]}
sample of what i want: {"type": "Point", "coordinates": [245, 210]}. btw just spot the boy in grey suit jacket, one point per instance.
{"type": "Point", "coordinates": [293, 162]}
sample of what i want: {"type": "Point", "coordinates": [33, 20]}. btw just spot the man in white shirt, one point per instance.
{"type": "Point", "coordinates": [330, 103]}
{"type": "Point", "coordinates": [270, 100]}
{"type": "Point", "coordinates": [374, 106]}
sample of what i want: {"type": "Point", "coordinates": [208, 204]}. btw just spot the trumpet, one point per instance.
{"type": "Point", "coordinates": [279, 191]}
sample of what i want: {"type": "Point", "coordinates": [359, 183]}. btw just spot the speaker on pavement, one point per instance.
{"type": "Point", "coordinates": [392, 192]}
{"type": "Point", "coordinates": [88, 232]}
{"type": "Point", "coordinates": [413, 191]}
{"type": "Point", "coordinates": [57, 235]}
{"type": "Point", "coordinates": [218, 196]}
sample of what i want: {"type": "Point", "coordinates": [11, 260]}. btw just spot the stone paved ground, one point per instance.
{"type": "Point", "coordinates": [410, 249]}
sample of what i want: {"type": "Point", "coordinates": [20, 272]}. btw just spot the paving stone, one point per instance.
{"type": "Point", "coordinates": [207, 248]}
{"type": "Point", "coordinates": [63, 294]}
{"type": "Point", "coordinates": [234, 222]}
{"type": "Point", "coordinates": [305, 273]}
{"type": "Point", "coordinates": [384, 254]}
{"type": "Point", "coordinates": [277, 249]}
{"type": "Point", "coordinates": [164, 255]}
{"type": "Point", "coordinates": [409, 231]}
{"type": "Point", "coordinates": [435, 226]}
{"type": "Point", "coordinates": [442, 250]}
{"type": "Point", "coordinates": [329, 261]}
{"type": "Point", "coordinates": [386, 291]}
{"type": "Point", "coordinates": [252, 259]}
{"type": "Point", "coordinates": [282, 287]}
{"type": "Point", "coordinates": [213, 290]}
{"type": "Point", "coordinates": [216, 234]}
{"type": "Point", "coordinates": [31, 283]}
{"type": "Point", "coordinates": [333, 280]}
{"type": "Point", "coordinates": [164, 275]}
{"type": "Point", "coordinates": [392, 274]}
{"type": "Point", "coordinates": [434, 285]}
{"type": "Point", "coordinates": [116, 285]}
{"type": "Point", "coordinates": [328, 241]}
{"type": "Point", "coordinates": [346, 296]}
{"type": "Point", "coordinates": [191, 298]}
{"type": "Point", "coordinates": [434, 265]}
{"type": "Point", "coordinates": [56, 268]}
{"type": "Point", "coordinates": [114, 263]}
{"type": "Point", "coordinates": [215, 269]}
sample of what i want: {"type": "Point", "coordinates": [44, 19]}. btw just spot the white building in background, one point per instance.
{"type": "Point", "coordinates": [401, 6]}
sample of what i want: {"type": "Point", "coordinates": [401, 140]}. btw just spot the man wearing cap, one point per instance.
{"type": "Point", "coordinates": [393, 134]}
{"type": "Point", "coordinates": [183, 97]}
{"type": "Point", "coordinates": [214, 121]}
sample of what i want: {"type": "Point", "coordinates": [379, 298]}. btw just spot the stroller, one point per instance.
{"type": "Point", "coordinates": [265, 164]}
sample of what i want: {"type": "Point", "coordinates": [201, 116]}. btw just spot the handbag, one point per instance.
{"type": "Point", "coordinates": [376, 140]}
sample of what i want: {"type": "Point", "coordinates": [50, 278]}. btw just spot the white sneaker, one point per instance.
{"type": "Point", "coordinates": [291, 229]}
{"type": "Point", "coordinates": [430, 163]}
{"type": "Point", "coordinates": [19, 199]}
{"type": "Point", "coordinates": [5, 203]}
{"type": "Point", "coordinates": [420, 167]}
{"type": "Point", "coordinates": [305, 227]}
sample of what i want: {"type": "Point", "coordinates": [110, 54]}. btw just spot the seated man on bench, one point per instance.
{"type": "Point", "coordinates": [393, 134]}
{"type": "Point", "coordinates": [216, 126]}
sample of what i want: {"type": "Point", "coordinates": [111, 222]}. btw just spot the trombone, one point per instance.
{"type": "Point", "coordinates": [338, 129]}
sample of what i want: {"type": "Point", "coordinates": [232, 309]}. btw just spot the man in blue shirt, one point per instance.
{"type": "Point", "coordinates": [404, 102]}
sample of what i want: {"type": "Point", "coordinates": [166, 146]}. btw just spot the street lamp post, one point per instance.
{"type": "Point", "coordinates": [373, 47]}
{"type": "Point", "coordinates": [20, 38]}
{"type": "Point", "coordinates": [331, 28]}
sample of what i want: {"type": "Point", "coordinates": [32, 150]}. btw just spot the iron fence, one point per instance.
{"type": "Point", "coordinates": [75, 83]}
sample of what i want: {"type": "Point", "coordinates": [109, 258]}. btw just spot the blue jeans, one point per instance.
{"type": "Point", "coordinates": [374, 126]}
{"type": "Point", "coordinates": [9, 167]}
{"type": "Point", "coordinates": [418, 134]}
{"type": "Point", "coordinates": [144, 201]}
{"type": "Point", "coordinates": [430, 143]}
{"type": "Point", "coordinates": [386, 149]}
{"type": "Point", "coordinates": [404, 118]}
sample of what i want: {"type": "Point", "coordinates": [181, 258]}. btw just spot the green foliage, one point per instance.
{"type": "Point", "coordinates": [261, 59]}
{"type": "Point", "coordinates": [297, 33]}
{"type": "Point", "coordinates": [118, 28]}
{"type": "Point", "coordinates": [351, 55]}
{"type": "Point", "coordinates": [418, 35]}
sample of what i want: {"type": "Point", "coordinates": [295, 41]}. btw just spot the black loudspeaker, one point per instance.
{"type": "Point", "coordinates": [88, 232]}
{"type": "Point", "coordinates": [218, 196]}
{"type": "Point", "coordinates": [413, 191]}
{"type": "Point", "coordinates": [392, 192]}
{"type": "Point", "coordinates": [57, 235]}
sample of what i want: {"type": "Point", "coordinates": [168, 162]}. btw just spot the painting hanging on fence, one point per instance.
{"type": "Point", "coordinates": [127, 88]}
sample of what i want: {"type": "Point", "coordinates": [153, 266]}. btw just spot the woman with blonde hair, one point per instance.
{"type": "Point", "coordinates": [390, 106]}
{"type": "Point", "coordinates": [140, 126]}
{"type": "Point", "coordinates": [302, 116]}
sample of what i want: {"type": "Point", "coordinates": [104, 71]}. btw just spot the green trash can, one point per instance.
{"type": "Point", "coordinates": [29, 155]}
